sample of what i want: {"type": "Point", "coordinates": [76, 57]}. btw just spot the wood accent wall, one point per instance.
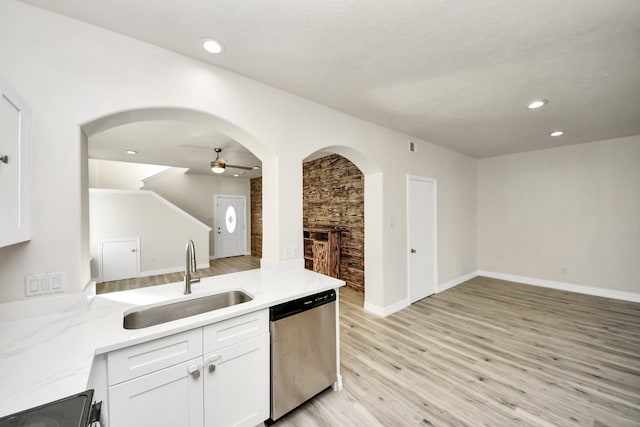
{"type": "Point", "coordinates": [256, 217]}
{"type": "Point", "coordinates": [333, 196]}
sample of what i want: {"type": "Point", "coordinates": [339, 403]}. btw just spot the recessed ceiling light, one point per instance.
{"type": "Point", "coordinates": [255, 168]}
{"type": "Point", "coordinates": [235, 174]}
{"type": "Point", "coordinates": [212, 45]}
{"type": "Point", "coordinates": [131, 152]}
{"type": "Point", "coordinates": [537, 104]}
{"type": "Point", "coordinates": [557, 133]}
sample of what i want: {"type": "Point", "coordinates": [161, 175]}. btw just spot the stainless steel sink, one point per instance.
{"type": "Point", "coordinates": [153, 315]}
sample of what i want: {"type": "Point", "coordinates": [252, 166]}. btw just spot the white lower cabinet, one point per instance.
{"type": "Point", "coordinates": [169, 397]}
{"type": "Point", "coordinates": [236, 386]}
{"type": "Point", "coordinates": [161, 384]}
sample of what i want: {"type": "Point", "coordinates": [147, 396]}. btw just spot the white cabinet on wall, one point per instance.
{"type": "Point", "coordinates": [15, 164]}
{"type": "Point", "coordinates": [212, 376]}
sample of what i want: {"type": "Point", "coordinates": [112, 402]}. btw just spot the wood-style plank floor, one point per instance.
{"type": "Point", "coordinates": [485, 353]}
{"type": "Point", "coordinates": [216, 267]}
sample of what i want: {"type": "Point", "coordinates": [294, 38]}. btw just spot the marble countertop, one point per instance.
{"type": "Point", "coordinates": [48, 344]}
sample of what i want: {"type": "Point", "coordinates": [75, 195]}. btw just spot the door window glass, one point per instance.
{"type": "Point", "coordinates": [230, 219]}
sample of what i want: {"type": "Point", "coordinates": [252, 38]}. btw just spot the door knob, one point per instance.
{"type": "Point", "coordinates": [133, 250]}
{"type": "Point", "coordinates": [413, 251]}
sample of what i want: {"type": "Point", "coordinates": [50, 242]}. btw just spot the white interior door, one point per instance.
{"type": "Point", "coordinates": [231, 234]}
{"type": "Point", "coordinates": [421, 237]}
{"type": "Point", "coordinates": [120, 259]}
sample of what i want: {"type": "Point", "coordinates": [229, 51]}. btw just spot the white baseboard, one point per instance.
{"type": "Point", "coordinates": [455, 282]}
{"type": "Point", "coordinates": [563, 286]}
{"type": "Point", "coordinates": [386, 310]}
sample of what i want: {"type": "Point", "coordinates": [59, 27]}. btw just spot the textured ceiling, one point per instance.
{"type": "Point", "coordinates": [458, 73]}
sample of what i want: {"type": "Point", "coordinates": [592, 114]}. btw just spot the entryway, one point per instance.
{"type": "Point", "coordinates": [231, 226]}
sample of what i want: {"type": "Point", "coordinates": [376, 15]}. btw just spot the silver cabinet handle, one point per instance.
{"type": "Point", "coordinates": [212, 362]}
{"type": "Point", "coordinates": [413, 251]}
{"type": "Point", "coordinates": [194, 370]}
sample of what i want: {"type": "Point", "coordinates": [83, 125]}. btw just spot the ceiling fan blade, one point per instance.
{"type": "Point", "coordinates": [247, 168]}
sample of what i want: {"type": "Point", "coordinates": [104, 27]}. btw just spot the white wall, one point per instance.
{"type": "Point", "coordinates": [576, 207]}
{"type": "Point", "coordinates": [95, 73]}
{"type": "Point", "coordinates": [163, 230]}
{"type": "Point", "coordinates": [195, 194]}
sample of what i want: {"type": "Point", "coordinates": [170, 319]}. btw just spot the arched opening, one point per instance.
{"type": "Point", "coordinates": [338, 183]}
{"type": "Point", "coordinates": [120, 149]}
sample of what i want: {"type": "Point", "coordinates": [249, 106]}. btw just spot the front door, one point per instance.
{"type": "Point", "coordinates": [231, 230]}
{"type": "Point", "coordinates": [421, 237]}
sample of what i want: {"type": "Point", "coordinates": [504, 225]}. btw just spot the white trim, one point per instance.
{"type": "Point", "coordinates": [157, 197]}
{"type": "Point", "coordinates": [386, 310]}
{"type": "Point", "coordinates": [455, 282]}
{"type": "Point", "coordinates": [337, 385]}
{"type": "Point", "coordinates": [435, 229]}
{"type": "Point", "coordinates": [156, 175]}
{"type": "Point", "coordinates": [563, 286]}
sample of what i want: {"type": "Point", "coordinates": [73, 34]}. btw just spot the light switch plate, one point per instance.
{"type": "Point", "coordinates": [42, 284]}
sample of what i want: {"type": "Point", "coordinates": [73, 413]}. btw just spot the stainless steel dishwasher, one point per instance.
{"type": "Point", "coordinates": [303, 350]}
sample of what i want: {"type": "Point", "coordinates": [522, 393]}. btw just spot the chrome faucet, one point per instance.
{"type": "Point", "coordinates": [190, 266]}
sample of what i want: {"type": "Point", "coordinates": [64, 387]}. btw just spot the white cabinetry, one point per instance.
{"type": "Point", "coordinates": [212, 376]}
{"type": "Point", "coordinates": [15, 165]}
{"type": "Point", "coordinates": [236, 364]}
{"type": "Point", "coordinates": [168, 397]}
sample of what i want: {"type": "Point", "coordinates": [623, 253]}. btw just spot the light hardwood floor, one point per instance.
{"type": "Point", "coordinates": [485, 353]}
{"type": "Point", "coordinates": [216, 267]}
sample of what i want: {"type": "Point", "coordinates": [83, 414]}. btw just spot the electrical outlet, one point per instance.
{"type": "Point", "coordinates": [41, 284]}
{"type": "Point", "coordinates": [287, 252]}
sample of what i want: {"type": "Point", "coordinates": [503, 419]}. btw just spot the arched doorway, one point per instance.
{"type": "Point", "coordinates": [334, 198]}
{"type": "Point", "coordinates": [184, 140]}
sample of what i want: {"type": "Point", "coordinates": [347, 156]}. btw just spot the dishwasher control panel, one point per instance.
{"type": "Point", "coordinates": [299, 305]}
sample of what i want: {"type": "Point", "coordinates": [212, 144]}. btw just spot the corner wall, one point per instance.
{"type": "Point", "coordinates": [119, 214]}
{"type": "Point", "coordinates": [569, 215]}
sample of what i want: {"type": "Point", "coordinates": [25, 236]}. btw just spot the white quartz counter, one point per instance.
{"type": "Point", "coordinates": [47, 345]}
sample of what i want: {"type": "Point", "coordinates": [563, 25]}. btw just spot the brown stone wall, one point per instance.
{"type": "Point", "coordinates": [333, 196]}
{"type": "Point", "coordinates": [256, 217]}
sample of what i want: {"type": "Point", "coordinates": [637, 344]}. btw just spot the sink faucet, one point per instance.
{"type": "Point", "coordinates": [190, 266]}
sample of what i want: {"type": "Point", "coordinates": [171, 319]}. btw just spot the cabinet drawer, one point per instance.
{"type": "Point", "coordinates": [154, 355]}
{"type": "Point", "coordinates": [232, 331]}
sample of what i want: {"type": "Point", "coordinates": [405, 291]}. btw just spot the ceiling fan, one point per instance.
{"type": "Point", "coordinates": [219, 165]}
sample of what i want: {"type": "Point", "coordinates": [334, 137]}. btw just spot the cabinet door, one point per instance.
{"type": "Point", "coordinates": [14, 167]}
{"type": "Point", "coordinates": [169, 397]}
{"type": "Point", "coordinates": [236, 387]}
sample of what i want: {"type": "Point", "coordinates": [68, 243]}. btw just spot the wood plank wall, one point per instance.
{"type": "Point", "coordinates": [256, 217]}
{"type": "Point", "coordinates": [333, 195]}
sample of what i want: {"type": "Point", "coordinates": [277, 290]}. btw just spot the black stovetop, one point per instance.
{"type": "Point", "coordinates": [72, 411]}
